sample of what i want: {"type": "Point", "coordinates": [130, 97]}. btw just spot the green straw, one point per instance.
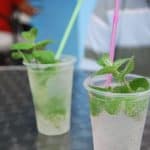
{"type": "Point", "coordinates": [69, 28]}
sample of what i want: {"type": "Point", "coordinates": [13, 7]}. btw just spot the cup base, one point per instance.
{"type": "Point", "coordinates": [48, 127]}
{"type": "Point", "coordinates": [43, 132]}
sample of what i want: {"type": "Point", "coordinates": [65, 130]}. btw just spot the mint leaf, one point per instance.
{"type": "Point", "coordinates": [33, 51]}
{"type": "Point", "coordinates": [121, 89]}
{"type": "Point", "coordinates": [139, 84]}
{"type": "Point", "coordinates": [33, 32]}
{"type": "Point", "coordinates": [113, 106]}
{"type": "Point", "coordinates": [55, 106]}
{"type": "Point", "coordinates": [106, 70]}
{"type": "Point", "coordinates": [45, 57]}
{"type": "Point", "coordinates": [42, 44]}
{"type": "Point", "coordinates": [30, 35]}
{"type": "Point", "coordinates": [27, 36]}
{"type": "Point", "coordinates": [128, 69]}
{"type": "Point", "coordinates": [16, 55]}
{"type": "Point", "coordinates": [133, 108]}
{"type": "Point", "coordinates": [105, 61]}
{"type": "Point", "coordinates": [22, 46]}
{"type": "Point", "coordinates": [29, 57]}
{"type": "Point", "coordinates": [96, 105]}
{"type": "Point", "coordinates": [118, 63]}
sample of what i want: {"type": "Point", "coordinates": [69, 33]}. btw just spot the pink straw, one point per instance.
{"type": "Point", "coordinates": [113, 37]}
{"type": "Point", "coordinates": [114, 30]}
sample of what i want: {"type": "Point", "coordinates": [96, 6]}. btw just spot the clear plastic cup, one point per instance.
{"type": "Point", "coordinates": [51, 87]}
{"type": "Point", "coordinates": [118, 119]}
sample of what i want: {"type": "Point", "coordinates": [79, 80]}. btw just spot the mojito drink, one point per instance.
{"type": "Point", "coordinates": [117, 119]}
{"type": "Point", "coordinates": [50, 77]}
{"type": "Point", "coordinates": [51, 87]}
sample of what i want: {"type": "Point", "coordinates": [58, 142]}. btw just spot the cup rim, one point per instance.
{"type": "Point", "coordinates": [67, 60]}
{"type": "Point", "coordinates": [107, 93]}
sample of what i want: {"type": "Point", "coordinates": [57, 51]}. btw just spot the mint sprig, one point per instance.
{"type": "Point", "coordinates": [31, 35]}
{"type": "Point", "coordinates": [31, 51]}
{"type": "Point", "coordinates": [119, 70]}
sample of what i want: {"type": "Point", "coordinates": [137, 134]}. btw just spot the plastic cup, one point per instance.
{"type": "Point", "coordinates": [118, 119]}
{"type": "Point", "coordinates": [51, 87]}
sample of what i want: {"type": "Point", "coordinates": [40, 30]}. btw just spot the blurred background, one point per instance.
{"type": "Point", "coordinates": [88, 40]}
{"type": "Point", "coordinates": [90, 36]}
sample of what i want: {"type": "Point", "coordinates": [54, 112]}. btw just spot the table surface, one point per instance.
{"type": "Point", "coordinates": [17, 119]}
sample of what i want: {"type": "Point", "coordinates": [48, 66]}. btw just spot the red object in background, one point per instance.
{"type": "Point", "coordinates": [7, 8]}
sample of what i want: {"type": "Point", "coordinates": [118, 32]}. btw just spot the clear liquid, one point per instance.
{"type": "Point", "coordinates": [117, 132]}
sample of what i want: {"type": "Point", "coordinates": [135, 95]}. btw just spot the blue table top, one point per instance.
{"type": "Point", "coordinates": [17, 119]}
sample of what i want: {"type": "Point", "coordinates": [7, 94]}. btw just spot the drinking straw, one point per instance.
{"type": "Point", "coordinates": [113, 36]}
{"type": "Point", "coordinates": [114, 30]}
{"type": "Point", "coordinates": [69, 28]}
